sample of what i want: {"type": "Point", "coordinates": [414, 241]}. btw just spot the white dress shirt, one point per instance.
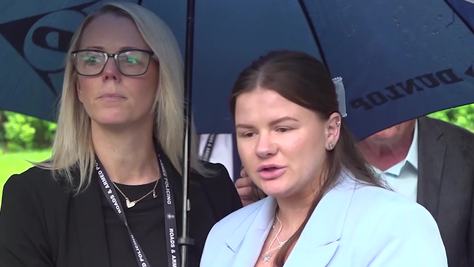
{"type": "Point", "coordinates": [221, 151]}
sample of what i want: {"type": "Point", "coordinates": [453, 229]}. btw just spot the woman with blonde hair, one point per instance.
{"type": "Point", "coordinates": [110, 194]}
{"type": "Point", "coordinates": [324, 205]}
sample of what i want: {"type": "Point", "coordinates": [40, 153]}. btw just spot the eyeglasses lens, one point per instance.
{"type": "Point", "coordinates": [131, 62]}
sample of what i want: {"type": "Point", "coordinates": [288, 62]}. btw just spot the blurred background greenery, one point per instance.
{"type": "Point", "coordinates": [25, 140]}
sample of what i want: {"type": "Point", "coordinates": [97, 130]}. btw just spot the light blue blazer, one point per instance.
{"type": "Point", "coordinates": [353, 225]}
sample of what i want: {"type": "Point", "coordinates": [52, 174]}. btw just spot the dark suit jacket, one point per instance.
{"type": "Point", "coordinates": [446, 185]}
{"type": "Point", "coordinates": [42, 224]}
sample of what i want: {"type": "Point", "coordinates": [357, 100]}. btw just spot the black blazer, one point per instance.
{"type": "Point", "coordinates": [43, 224]}
{"type": "Point", "coordinates": [446, 185]}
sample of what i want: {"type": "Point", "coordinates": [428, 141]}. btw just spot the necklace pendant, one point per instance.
{"type": "Point", "coordinates": [129, 203]}
{"type": "Point", "coordinates": [266, 258]}
{"type": "Point", "coordinates": [154, 194]}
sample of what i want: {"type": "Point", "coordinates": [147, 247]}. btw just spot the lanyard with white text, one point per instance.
{"type": "Point", "coordinates": [169, 218]}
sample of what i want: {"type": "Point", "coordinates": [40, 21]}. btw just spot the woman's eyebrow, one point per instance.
{"type": "Point", "coordinates": [283, 119]}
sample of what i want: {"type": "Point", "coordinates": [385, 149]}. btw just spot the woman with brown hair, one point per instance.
{"type": "Point", "coordinates": [324, 205]}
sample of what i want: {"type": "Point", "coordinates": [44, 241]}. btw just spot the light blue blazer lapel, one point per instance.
{"type": "Point", "coordinates": [319, 240]}
{"type": "Point", "coordinates": [247, 240]}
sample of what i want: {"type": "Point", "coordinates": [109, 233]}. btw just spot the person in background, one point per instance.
{"type": "Point", "coordinates": [430, 162]}
{"type": "Point", "coordinates": [324, 206]}
{"type": "Point", "coordinates": [111, 193]}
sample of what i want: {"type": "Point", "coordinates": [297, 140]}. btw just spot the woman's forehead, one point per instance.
{"type": "Point", "coordinates": [111, 31]}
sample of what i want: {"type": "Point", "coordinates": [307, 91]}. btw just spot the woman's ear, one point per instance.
{"type": "Point", "coordinates": [333, 129]}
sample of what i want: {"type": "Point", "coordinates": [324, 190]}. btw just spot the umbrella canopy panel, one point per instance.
{"type": "Point", "coordinates": [399, 59]}
{"type": "Point", "coordinates": [228, 36]}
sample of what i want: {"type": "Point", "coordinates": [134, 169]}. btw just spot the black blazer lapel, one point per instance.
{"type": "Point", "coordinates": [89, 223]}
{"type": "Point", "coordinates": [431, 155]}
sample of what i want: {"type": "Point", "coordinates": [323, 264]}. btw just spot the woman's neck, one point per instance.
{"type": "Point", "coordinates": [293, 212]}
{"type": "Point", "coordinates": [128, 156]}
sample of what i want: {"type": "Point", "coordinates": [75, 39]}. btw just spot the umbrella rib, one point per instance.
{"type": "Point", "coordinates": [457, 14]}
{"type": "Point", "coordinates": [314, 34]}
{"type": "Point", "coordinates": [185, 240]}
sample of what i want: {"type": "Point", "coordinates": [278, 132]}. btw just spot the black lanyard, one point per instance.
{"type": "Point", "coordinates": [169, 215]}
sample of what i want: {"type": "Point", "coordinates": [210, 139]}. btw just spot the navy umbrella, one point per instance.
{"type": "Point", "coordinates": [399, 59]}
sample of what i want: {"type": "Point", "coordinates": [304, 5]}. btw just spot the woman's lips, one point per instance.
{"type": "Point", "coordinates": [268, 172]}
{"type": "Point", "coordinates": [111, 97]}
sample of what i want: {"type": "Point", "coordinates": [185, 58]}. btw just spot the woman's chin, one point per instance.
{"type": "Point", "coordinates": [111, 122]}
{"type": "Point", "coordinates": [274, 192]}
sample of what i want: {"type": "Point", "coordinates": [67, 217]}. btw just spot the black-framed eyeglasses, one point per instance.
{"type": "Point", "coordinates": [130, 62]}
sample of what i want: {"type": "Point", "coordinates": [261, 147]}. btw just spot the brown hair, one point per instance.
{"type": "Point", "coordinates": [303, 80]}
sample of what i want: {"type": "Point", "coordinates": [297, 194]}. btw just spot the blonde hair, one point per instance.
{"type": "Point", "coordinates": [72, 147]}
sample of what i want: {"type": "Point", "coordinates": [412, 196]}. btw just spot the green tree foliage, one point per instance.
{"type": "Point", "coordinates": [461, 116]}
{"type": "Point", "coordinates": [19, 132]}
{"type": "Point", "coordinates": [2, 131]}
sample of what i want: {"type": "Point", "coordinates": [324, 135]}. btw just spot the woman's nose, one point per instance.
{"type": "Point", "coordinates": [111, 70]}
{"type": "Point", "coordinates": [265, 146]}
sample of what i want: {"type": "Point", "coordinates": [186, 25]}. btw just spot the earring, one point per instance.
{"type": "Point", "coordinates": [338, 123]}
{"type": "Point", "coordinates": [330, 146]}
